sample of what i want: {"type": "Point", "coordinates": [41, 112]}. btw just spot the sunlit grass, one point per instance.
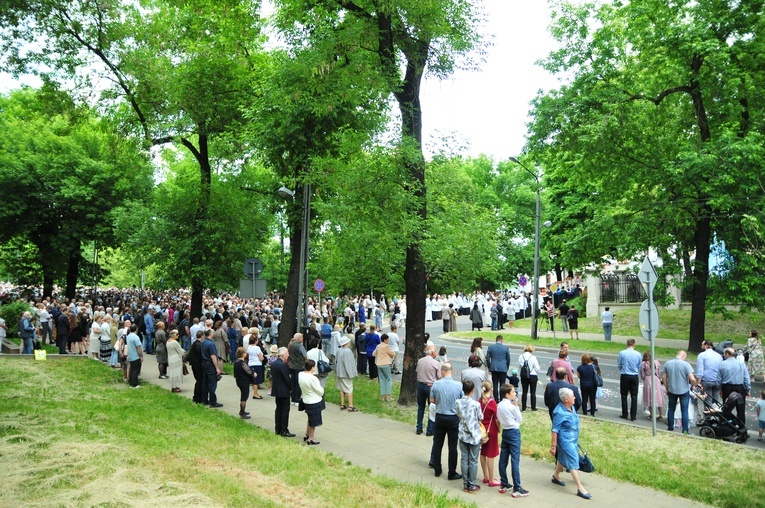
{"type": "Point", "coordinates": [76, 435]}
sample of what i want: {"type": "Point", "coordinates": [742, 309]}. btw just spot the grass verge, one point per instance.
{"type": "Point", "coordinates": [77, 436]}
{"type": "Point", "coordinates": [674, 324]}
{"type": "Point", "coordinates": [546, 340]}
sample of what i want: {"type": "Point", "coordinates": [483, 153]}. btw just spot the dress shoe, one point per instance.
{"type": "Point", "coordinates": [244, 416]}
{"type": "Point", "coordinates": [583, 495]}
{"type": "Point", "coordinates": [287, 433]}
{"type": "Point", "coordinates": [438, 471]}
{"type": "Point", "coordinates": [558, 482]}
{"type": "Point", "coordinates": [217, 404]}
{"type": "Point", "coordinates": [622, 417]}
{"type": "Point", "coordinates": [455, 476]}
{"type": "Point", "coordinates": [419, 431]}
{"type": "Point", "coordinates": [428, 434]}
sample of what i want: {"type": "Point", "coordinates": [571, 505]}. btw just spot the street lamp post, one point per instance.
{"type": "Point", "coordinates": [535, 286]}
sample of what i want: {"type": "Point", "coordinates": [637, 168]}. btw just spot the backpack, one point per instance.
{"type": "Point", "coordinates": [525, 370]}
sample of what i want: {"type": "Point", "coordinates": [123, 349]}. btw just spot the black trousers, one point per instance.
{"type": "Point", "coordinates": [200, 394]}
{"type": "Point", "coordinates": [446, 428]}
{"type": "Point", "coordinates": [62, 340]}
{"type": "Point", "coordinates": [297, 393]}
{"type": "Point", "coordinates": [628, 384]}
{"type": "Point", "coordinates": [282, 415]}
{"type": "Point", "coordinates": [529, 388]}
{"type": "Point", "coordinates": [727, 389]}
{"type": "Point", "coordinates": [588, 398]}
{"type": "Point", "coordinates": [498, 378]}
{"type": "Point", "coordinates": [135, 370]}
{"type": "Point", "coordinates": [372, 368]}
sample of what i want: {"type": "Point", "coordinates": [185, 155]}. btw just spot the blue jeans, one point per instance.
{"type": "Point", "coordinates": [185, 342]}
{"type": "Point", "coordinates": [607, 327]}
{"type": "Point", "coordinates": [469, 463]}
{"type": "Point", "coordinates": [685, 399]}
{"type": "Point", "coordinates": [386, 383]}
{"type": "Point", "coordinates": [29, 346]}
{"type": "Point", "coordinates": [423, 401]}
{"type": "Point", "coordinates": [148, 343]}
{"type": "Point", "coordinates": [493, 323]}
{"type": "Point", "coordinates": [510, 449]}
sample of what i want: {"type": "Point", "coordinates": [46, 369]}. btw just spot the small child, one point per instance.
{"type": "Point", "coordinates": [513, 379]}
{"type": "Point", "coordinates": [760, 410]}
{"type": "Point", "coordinates": [442, 358]}
{"type": "Point", "coordinates": [469, 413]}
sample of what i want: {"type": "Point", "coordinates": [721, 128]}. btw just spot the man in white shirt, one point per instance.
{"type": "Point", "coordinates": [393, 342]}
{"type": "Point", "coordinates": [510, 419]}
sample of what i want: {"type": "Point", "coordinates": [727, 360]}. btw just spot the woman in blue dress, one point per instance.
{"type": "Point", "coordinates": [565, 441]}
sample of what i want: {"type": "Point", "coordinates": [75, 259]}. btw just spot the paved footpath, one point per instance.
{"type": "Point", "coordinates": [406, 455]}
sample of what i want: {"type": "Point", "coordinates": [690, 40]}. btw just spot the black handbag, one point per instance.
{"type": "Point", "coordinates": [323, 367]}
{"type": "Point", "coordinates": [301, 405]}
{"type": "Point", "coordinates": [585, 464]}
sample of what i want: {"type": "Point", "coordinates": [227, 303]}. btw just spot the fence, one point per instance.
{"type": "Point", "coordinates": [621, 288]}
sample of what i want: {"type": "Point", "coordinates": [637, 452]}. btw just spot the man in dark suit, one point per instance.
{"type": "Point", "coordinates": [498, 360]}
{"type": "Point", "coordinates": [62, 324]}
{"type": "Point", "coordinates": [551, 391]}
{"type": "Point", "coordinates": [281, 388]}
{"type": "Point", "coordinates": [195, 360]}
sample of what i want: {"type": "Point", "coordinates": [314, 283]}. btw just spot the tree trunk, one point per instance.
{"type": "Point", "coordinates": [73, 271]}
{"type": "Point", "coordinates": [414, 273]}
{"type": "Point", "coordinates": [703, 235]}
{"type": "Point", "coordinates": [558, 272]}
{"type": "Point", "coordinates": [288, 326]}
{"type": "Point", "coordinates": [200, 251]}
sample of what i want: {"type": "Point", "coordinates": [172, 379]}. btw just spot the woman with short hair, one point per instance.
{"type": "Point", "coordinates": [160, 349]}
{"type": "Point", "coordinates": [565, 441]}
{"type": "Point", "coordinates": [255, 360]}
{"type": "Point", "coordinates": [529, 383]}
{"type": "Point", "coordinates": [175, 358]}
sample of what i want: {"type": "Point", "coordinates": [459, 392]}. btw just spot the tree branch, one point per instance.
{"type": "Point", "coordinates": [663, 95]}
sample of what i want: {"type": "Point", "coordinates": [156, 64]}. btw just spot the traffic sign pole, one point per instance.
{"type": "Point", "coordinates": [648, 277]}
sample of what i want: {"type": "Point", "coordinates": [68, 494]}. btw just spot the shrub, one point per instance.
{"type": "Point", "coordinates": [11, 313]}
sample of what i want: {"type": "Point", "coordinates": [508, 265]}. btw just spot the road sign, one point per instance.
{"type": "Point", "coordinates": [318, 285]}
{"type": "Point", "coordinates": [643, 320]}
{"type": "Point", "coordinates": [252, 268]}
{"type": "Point", "coordinates": [647, 275]}
{"type": "Point", "coordinates": [523, 281]}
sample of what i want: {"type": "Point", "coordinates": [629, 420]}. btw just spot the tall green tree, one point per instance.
{"type": "Point", "coordinates": [660, 125]}
{"type": "Point", "coordinates": [62, 171]}
{"type": "Point", "coordinates": [406, 38]}
{"type": "Point", "coordinates": [177, 72]}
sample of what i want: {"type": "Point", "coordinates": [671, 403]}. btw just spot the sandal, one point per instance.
{"type": "Point", "coordinates": [352, 410]}
{"type": "Point", "coordinates": [342, 408]}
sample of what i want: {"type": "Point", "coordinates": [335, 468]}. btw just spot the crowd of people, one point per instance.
{"type": "Point", "coordinates": [469, 415]}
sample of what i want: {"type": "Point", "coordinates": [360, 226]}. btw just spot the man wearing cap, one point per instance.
{"type": "Point", "coordinates": [280, 389]}
{"type": "Point", "coordinates": [428, 372]}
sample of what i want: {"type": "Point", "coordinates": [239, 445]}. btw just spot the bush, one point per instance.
{"type": "Point", "coordinates": [11, 313]}
{"type": "Point", "coordinates": [581, 305]}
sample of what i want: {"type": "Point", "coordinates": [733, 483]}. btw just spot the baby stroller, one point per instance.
{"type": "Point", "coordinates": [719, 422]}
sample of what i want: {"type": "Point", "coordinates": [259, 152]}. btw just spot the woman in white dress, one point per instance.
{"type": "Point", "coordinates": [94, 340]}
{"type": "Point", "coordinates": [175, 354]}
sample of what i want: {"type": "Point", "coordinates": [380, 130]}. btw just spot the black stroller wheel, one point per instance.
{"type": "Point", "coordinates": [706, 432]}
{"type": "Point", "coordinates": [741, 438]}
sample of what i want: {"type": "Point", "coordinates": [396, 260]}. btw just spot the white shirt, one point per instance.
{"type": "Point", "coordinates": [533, 362]}
{"type": "Point", "coordinates": [393, 341]}
{"type": "Point", "coordinates": [508, 414]}
{"type": "Point", "coordinates": [2, 330]}
{"type": "Point", "coordinates": [254, 359]}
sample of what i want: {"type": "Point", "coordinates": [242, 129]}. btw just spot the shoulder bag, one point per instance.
{"type": "Point", "coordinates": [585, 464]}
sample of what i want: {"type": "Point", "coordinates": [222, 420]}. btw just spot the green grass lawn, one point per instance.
{"type": "Point", "coordinates": [709, 471]}
{"type": "Point", "coordinates": [521, 336]}
{"type": "Point", "coordinates": [673, 324]}
{"type": "Point", "coordinates": [74, 435]}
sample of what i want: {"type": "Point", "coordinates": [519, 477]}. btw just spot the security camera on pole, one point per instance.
{"type": "Point", "coordinates": [648, 319]}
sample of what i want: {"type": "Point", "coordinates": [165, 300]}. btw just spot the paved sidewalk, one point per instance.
{"type": "Point", "coordinates": [406, 455]}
